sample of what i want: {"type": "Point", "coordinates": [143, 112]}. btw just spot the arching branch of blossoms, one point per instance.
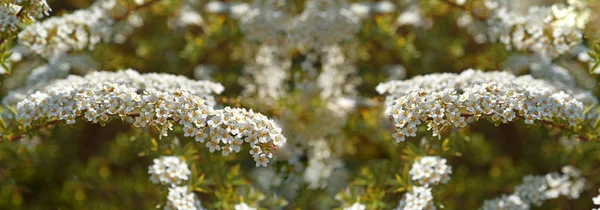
{"type": "Point", "coordinates": [158, 105]}
{"type": "Point", "coordinates": [451, 100]}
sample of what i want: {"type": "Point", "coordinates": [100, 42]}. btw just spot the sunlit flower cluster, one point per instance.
{"type": "Point", "coordinates": [535, 189]}
{"type": "Point", "coordinates": [180, 198]}
{"type": "Point", "coordinates": [546, 31]}
{"type": "Point", "coordinates": [169, 170]}
{"type": "Point", "coordinates": [149, 81]}
{"type": "Point", "coordinates": [418, 198]}
{"type": "Point", "coordinates": [232, 126]}
{"type": "Point", "coordinates": [31, 9]}
{"type": "Point", "coordinates": [174, 172]}
{"type": "Point", "coordinates": [447, 99]}
{"type": "Point", "coordinates": [101, 101]}
{"type": "Point", "coordinates": [430, 170]}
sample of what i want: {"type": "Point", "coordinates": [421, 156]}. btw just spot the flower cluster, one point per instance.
{"type": "Point", "coordinates": [546, 31]}
{"type": "Point", "coordinates": [418, 198]}
{"type": "Point", "coordinates": [447, 99]}
{"type": "Point", "coordinates": [173, 171]}
{"type": "Point", "coordinates": [149, 81]}
{"type": "Point", "coordinates": [430, 170]}
{"type": "Point", "coordinates": [567, 79]}
{"type": "Point", "coordinates": [100, 101]}
{"type": "Point", "coordinates": [169, 170]}
{"type": "Point", "coordinates": [76, 31]}
{"type": "Point", "coordinates": [233, 126]}
{"type": "Point", "coordinates": [10, 10]}
{"type": "Point", "coordinates": [425, 171]}
{"type": "Point", "coordinates": [180, 198]}
{"type": "Point", "coordinates": [80, 30]}
{"type": "Point", "coordinates": [243, 206]}
{"type": "Point", "coordinates": [537, 189]}
{"type": "Point", "coordinates": [356, 206]}
{"type": "Point", "coordinates": [596, 201]}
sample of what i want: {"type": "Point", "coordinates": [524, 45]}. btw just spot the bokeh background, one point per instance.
{"type": "Point", "coordinates": [89, 166]}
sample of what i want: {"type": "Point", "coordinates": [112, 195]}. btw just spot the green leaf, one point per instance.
{"type": "Point", "coordinates": [199, 181]}
{"type": "Point", "coordinates": [5, 67]}
{"type": "Point", "coordinates": [399, 179]}
{"type": "Point", "coordinates": [597, 123]}
{"type": "Point", "coordinates": [588, 109]}
{"type": "Point", "coordinates": [594, 67]}
{"type": "Point", "coordinates": [445, 146]}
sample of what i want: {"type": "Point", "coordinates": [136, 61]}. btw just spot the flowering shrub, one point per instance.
{"type": "Point", "coordinates": [333, 104]}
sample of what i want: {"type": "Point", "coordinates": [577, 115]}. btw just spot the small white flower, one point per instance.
{"type": "Point", "coordinates": [261, 160]}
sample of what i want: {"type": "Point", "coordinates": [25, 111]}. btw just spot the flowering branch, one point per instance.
{"type": "Point", "coordinates": [452, 100]}
{"type": "Point", "coordinates": [534, 190]}
{"type": "Point", "coordinates": [99, 101]}
{"type": "Point", "coordinates": [548, 31]}
{"type": "Point", "coordinates": [86, 28]}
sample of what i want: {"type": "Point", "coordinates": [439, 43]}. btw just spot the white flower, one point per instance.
{"type": "Point", "coordinates": [419, 198]}
{"type": "Point", "coordinates": [213, 145]}
{"type": "Point", "coordinates": [499, 96]}
{"type": "Point", "coordinates": [596, 201]}
{"type": "Point", "coordinates": [243, 206]}
{"type": "Point", "coordinates": [528, 32]}
{"type": "Point", "coordinates": [537, 189]}
{"type": "Point", "coordinates": [180, 198]}
{"type": "Point", "coordinates": [255, 151]}
{"type": "Point", "coordinates": [169, 170]}
{"type": "Point", "coordinates": [152, 102]}
{"type": "Point", "coordinates": [261, 160]}
{"type": "Point", "coordinates": [356, 206]}
{"type": "Point", "coordinates": [430, 170]}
